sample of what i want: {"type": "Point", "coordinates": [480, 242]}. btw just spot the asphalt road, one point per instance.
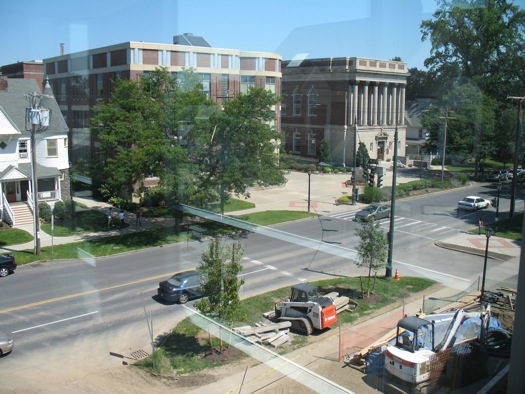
{"type": "Point", "coordinates": [75, 313]}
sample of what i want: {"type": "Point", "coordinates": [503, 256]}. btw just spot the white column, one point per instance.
{"type": "Point", "coordinates": [394, 104]}
{"type": "Point", "coordinates": [355, 100]}
{"type": "Point", "coordinates": [375, 113]}
{"type": "Point", "coordinates": [366, 100]}
{"type": "Point", "coordinates": [384, 106]}
{"type": "Point", "coordinates": [402, 104]}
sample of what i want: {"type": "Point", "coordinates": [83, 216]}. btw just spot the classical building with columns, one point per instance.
{"type": "Point", "coordinates": [329, 99]}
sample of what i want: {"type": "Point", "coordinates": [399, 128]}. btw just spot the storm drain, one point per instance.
{"type": "Point", "coordinates": [139, 354]}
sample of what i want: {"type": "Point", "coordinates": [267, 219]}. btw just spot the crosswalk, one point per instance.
{"type": "Point", "coordinates": [419, 228]}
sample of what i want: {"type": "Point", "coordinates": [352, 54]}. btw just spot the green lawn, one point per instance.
{"type": "Point", "coordinates": [13, 236]}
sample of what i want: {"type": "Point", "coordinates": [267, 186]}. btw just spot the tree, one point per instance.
{"type": "Point", "coordinates": [420, 84]}
{"type": "Point", "coordinates": [236, 148]}
{"type": "Point", "coordinates": [220, 267]}
{"type": "Point", "coordinates": [469, 117]}
{"type": "Point", "coordinates": [139, 134]}
{"type": "Point", "coordinates": [481, 41]}
{"type": "Point", "coordinates": [372, 249]}
{"type": "Point", "coordinates": [323, 152]}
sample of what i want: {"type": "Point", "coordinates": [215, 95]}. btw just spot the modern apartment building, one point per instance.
{"type": "Point", "coordinates": [80, 80]}
{"type": "Point", "coordinates": [328, 99]}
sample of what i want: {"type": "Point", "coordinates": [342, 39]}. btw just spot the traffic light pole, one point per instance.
{"type": "Point", "coordinates": [388, 273]}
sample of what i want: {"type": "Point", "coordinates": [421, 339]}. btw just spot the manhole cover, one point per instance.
{"type": "Point", "coordinates": [139, 354]}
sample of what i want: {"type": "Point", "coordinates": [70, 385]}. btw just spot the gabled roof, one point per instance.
{"type": "Point", "coordinates": [23, 171]}
{"type": "Point", "coordinates": [13, 106]}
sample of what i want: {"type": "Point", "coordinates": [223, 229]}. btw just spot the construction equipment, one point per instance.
{"type": "Point", "coordinates": [411, 357]}
{"type": "Point", "coordinates": [306, 310]}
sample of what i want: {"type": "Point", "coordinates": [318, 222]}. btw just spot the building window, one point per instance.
{"type": "Point", "coordinates": [296, 143]}
{"type": "Point", "coordinates": [100, 86]}
{"type": "Point", "coordinates": [52, 148]}
{"type": "Point", "coordinates": [247, 81]}
{"type": "Point", "coordinates": [206, 83]}
{"type": "Point", "coordinates": [225, 86]}
{"type": "Point", "coordinates": [270, 84]}
{"type": "Point", "coordinates": [296, 102]}
{"type": "Point", "coordinates": [311, 143]}
{"type": "Point", "coordinates": [371, 147]}
{"type": "Point", "coordinates": [283, 104]}
{"type": "Point", "coordinates": [22, 149]}
{"type": "Point", "coordinates": [312, 102]}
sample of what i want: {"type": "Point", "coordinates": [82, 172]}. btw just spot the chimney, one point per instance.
{"type": "Point", "coordinates": [3, 83]}
{"type": "Point", "coordinates": [61, 49]}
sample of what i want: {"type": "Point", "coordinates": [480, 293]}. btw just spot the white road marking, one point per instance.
{"type": "Point", "coordinates": [55, 322]}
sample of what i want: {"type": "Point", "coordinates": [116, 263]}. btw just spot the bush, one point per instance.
{"type": "Point", "coordinates": [44, 211]}
{"type": "Point", "coordinates": [154, 197]}
{"type": "Point", "coordinates": [121, 203]}
{"type": "Point", "coordinates": [59, 210]}
{"type": "Point", "coordinates": [327, 170]}
{"type": "Point", "coordinates": [373, 194]}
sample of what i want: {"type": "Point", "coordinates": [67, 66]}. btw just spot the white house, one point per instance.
{"type": "Point", "coordinates": [15, 150]}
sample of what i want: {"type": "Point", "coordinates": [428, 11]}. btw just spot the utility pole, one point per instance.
{"type": "Point", "coordinates": [37, 120]}
{"type": "Point", "coordinates": [354, 188]}
{"type": "Point", "coordinates": [517, 152]}
{"type": "Point", "coordinates": [446, 117]}
{"type": "Point", "coordinates": [390, 235]}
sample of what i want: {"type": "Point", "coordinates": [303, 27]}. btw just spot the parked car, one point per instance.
{"type": "Point", "coordinates": [499, 175]}
{"type": "Point", "coordinates": [7, 264]}
{"type": "Point", "coordinates": [181, 287]}
{"type": "Point", "coordinates": [373, 212]}
{"type": "Point", "coordinates": [6, 343]}
{"type": "Point", "coordinates": [474, 203]}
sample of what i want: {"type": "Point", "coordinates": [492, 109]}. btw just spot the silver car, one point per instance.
{"type": "Point", "coordinates": [373, 212]}
{"type": "Point", "coordinates": [6, 343]}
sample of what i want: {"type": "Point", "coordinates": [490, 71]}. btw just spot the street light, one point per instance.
{"type": "Point", "coordinates": [446, 117]}
{"type": "Point", "coordinates": [309, 174]}
{"type": "Point", "coordinates": [488, 233]}
{"type": "Point", "coordinates": [497, 207]}
{"type": "Point", "coordinates": [38, 118]}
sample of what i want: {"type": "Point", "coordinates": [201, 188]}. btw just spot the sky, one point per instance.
{"type": "Point", "coordinates": [378, 29]}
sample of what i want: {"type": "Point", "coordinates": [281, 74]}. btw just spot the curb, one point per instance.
{"type": "Point", "coordinates": [474, 251]}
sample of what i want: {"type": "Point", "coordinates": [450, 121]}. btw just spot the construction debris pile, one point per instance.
{"type": "Point", "coordinates": [267, 333]}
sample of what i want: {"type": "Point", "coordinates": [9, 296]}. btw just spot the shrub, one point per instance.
{"type": "Point", "coordinates": [327, 170]}
{"type": "Point", "coordinates": [154, 197]}
{"type": "Point", "coordinates": [44, 211]}
{"type": "Point", "coordinates": [121, 203]}
{"type": "Point", "coordinates": [373, 194]}
{"type": "Point", "coordinates": [59, 210]}
{"type": "Point", "coordinates": [343, 199]}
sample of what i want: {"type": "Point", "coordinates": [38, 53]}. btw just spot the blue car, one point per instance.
{"type": "Point", "coordinates": [181, 287]}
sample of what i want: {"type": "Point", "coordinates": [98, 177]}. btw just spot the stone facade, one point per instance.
{"type": "Point", "coordinates": [332, 98]}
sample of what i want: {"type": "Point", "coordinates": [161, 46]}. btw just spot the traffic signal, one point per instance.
{"type": "Point", "coordinates": [371, 177]}
{"type": "Point", "coordinates": [379, 180]}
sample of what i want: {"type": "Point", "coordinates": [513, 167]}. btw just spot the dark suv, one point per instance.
{"type": "Point", "coordinates": [181, 287]}
{"type": "Point", "coordinates": [7, 264]}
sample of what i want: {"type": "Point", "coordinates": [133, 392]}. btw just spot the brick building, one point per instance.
{"type": "Point", "coordinates": [329, 98]}
{"type": "Point", "coordinates": [80, 80]}
{"type": "Point", "coordinates": [25, 70]}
